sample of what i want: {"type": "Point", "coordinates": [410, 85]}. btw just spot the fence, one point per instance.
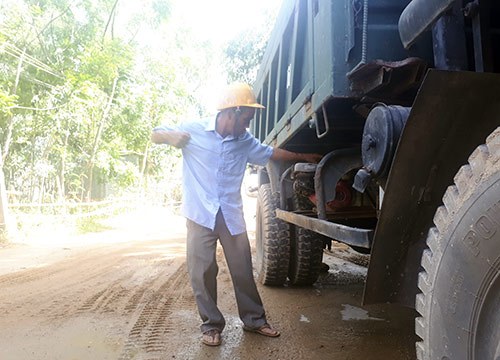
{"type": "Point", "coordinates": [75, 209]}
{"type": "Point", "coordinates": [49, 219]}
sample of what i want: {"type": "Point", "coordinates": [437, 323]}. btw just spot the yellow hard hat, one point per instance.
{"type": "Point", "coordinates": [238, 94]}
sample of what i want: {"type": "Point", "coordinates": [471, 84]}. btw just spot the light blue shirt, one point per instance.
{"type": "Point", "coordinates": [213, 170]}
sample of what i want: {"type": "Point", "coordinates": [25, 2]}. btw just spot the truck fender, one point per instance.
{"type": "Point", "coordinates": [452, 114]}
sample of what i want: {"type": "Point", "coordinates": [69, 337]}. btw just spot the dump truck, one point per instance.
{"type": "Point", "coordinates": [402, 99]}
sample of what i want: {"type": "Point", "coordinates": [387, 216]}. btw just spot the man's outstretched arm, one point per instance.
{"type": "Point", "coordinates": [285, 155]}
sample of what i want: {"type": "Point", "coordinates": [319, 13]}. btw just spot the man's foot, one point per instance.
{"type": "Point", "coordinates": [265, 330]}
{"type": "Point", "coordinates": [211, 337]}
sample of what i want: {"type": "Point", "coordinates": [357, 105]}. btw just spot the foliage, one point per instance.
{"type": "Point", "coordinates": [7, 102]}
{"type": "Point", "coordinates": [243, 54]}
{"type": "Point", "coordinates": [243, 57]}
{"type": "Point", "coordinates": [91, 224]}
{"type": "Point", "coordinates": [79, 95]}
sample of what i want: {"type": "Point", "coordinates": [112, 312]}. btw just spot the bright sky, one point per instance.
{"type": "Point", "coordinates": [215, 21]}
{"type": "Point", "coordinates": [219, 20]}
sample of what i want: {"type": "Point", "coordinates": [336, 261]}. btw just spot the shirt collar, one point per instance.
{"type": "Point", "coordinates": [212, 122]}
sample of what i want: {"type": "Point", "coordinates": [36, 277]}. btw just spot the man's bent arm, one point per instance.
{"type": "Point", "coordinates": [171, 137]}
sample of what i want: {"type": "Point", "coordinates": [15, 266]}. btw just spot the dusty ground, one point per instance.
{"type": "Point", "coordinates": [124, 294]}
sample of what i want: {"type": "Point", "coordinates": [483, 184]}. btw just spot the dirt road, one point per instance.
{"type": "Point", "coordinates": [125, 294]}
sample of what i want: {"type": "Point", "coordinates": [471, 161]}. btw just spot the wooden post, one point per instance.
{"type": "Point", "coordinates": [4, 216]}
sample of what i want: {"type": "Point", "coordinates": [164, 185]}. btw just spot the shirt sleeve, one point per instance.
{"type": "Point", "coordinates": [187, 126]}
{"type": "Point", "coordinates": [169, 128]}
{"type": "Point", "coordinates": [259, 154]}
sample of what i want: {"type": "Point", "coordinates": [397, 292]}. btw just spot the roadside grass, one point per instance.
{"type": "Point", "coordinates": [51, 224]}
{"type": "Point", "coordinates": [92, 224]}
{"type": "Point", "coordinates": [4, 239]}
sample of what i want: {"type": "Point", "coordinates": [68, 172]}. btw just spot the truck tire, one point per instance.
{"type": "Point", "coordinates": [306, 255]}
{"type": "Point", "coordinates": [306, 250]}
{"type": "Point", "coordinates": [272, 240]}
{"type": "Point", "coordinates": [460, 300]}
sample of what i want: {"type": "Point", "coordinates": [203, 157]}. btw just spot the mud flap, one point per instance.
{"type": "Point", "coordinates": [452, 114]}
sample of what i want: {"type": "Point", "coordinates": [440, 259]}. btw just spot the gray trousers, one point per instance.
{"type": "Point", "coordinates": [203, 269]}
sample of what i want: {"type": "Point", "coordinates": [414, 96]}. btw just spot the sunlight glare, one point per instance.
{"type": "Point", "coordinates": [220, 20]}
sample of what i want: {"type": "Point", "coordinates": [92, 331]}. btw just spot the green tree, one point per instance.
{"type": "Point", "coordinates": [243, 54]}
{"type": "Point", "coordinates": [80, 91]}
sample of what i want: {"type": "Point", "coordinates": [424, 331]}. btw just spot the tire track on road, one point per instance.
{"type": "Point", "coordinates": [148, 338]}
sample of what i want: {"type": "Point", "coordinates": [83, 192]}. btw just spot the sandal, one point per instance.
{"type": "Point", "coordinates": [265, 330]}
{"type": "Point", "coordinates": [211, 337]}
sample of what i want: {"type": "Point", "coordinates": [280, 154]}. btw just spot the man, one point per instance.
{"type": "Point", "coordinates": [215, 152]}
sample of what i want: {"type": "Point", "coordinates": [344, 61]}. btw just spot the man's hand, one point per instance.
{"type": "Point", "coordinates": [179, 139]}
